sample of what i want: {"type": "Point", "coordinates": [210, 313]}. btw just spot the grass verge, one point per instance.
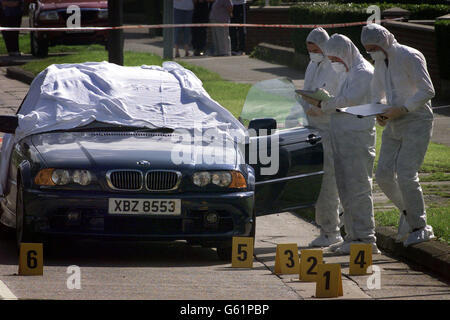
{"type": "Point", "coordinates": [438, 218]}
{"type": "Point", "coordinates": [24, 46]}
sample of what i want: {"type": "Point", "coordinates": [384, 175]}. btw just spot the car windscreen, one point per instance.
{"type": "Point", "coordinates": [107, 127]}
{"type": "Point", "coordinates": [276, 99]}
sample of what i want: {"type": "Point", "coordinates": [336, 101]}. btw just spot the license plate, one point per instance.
{"type": "Point", "coordinates": [144, 206]}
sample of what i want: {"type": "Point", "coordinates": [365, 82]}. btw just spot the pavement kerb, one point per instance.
{"type": "Point", "coordinates": [432, 255]}
{"type": "Point", "coordinates": [19, 74]}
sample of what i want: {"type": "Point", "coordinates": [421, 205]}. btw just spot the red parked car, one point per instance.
{"type": "Point", "coordinates": [55, 14]}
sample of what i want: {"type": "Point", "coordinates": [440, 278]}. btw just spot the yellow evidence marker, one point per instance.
{"type": "Point", "coordinates": [286, 259]}
{"type": "Point", "coordinates": [329, 281]}
{"type": "Point", "coordinates": [309, 261]}
{"type": "Point", "coordinates": [242, 252]}
{"type": "Point", "coordinates": [360, 258]}
{"type": "Point", "coordinates": [31, 259]}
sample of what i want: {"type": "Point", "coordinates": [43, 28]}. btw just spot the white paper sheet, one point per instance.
{"type": "Point", "coordinates": [365, 110]}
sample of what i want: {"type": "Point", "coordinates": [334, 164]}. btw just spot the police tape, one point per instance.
{"type": "Point", "coordinates": [441, 107]}
{"type": "Point", "coordinates": [194, 25]}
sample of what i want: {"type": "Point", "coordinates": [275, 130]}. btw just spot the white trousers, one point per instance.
{"type": "Point", "coordinates": [354, 155]}
{"type": "Point", "coordinates": [327, 206]}
{"type": "Point", "coordinates": [403, 148]}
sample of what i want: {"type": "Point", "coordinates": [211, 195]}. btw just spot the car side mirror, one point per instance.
{"type": "Point", "coordinates": [268, 124]}
{"type": "Point", "coordinates": [9, 124]}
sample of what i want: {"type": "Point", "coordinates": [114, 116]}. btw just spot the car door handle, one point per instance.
{"type": "Point", "coordinates": [313, 139]}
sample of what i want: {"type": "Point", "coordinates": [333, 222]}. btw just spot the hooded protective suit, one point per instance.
{"type": "Point", "coordinates": [321, 75]}
{"type": "Point", "coordinates": [403, 80]}
{"type": "Point", "coordinates": [353, 142]}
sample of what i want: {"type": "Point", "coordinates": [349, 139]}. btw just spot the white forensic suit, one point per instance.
{"type": "Point", "coordinates": [319, 74]}
{"type": "Point", "coordinates": [353, 143]}
{"type": "Point", "coordinates": [403, 80]}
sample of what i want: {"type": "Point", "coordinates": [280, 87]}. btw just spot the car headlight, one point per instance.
{"type": "Point", "coordinates": [201, 179]}
{"type": "Point", "coordinates": [44, 178]}
{"type": "Point", "coordinates": [82, 177]}
{"type": "Point", "coordinates": [48, 16]}
{"type": "Point", "coordinates": [61, 177]}
{"type": "Point", "coordinates": [103, 14]}
{"type": "Point", "coordinates": [230, 179]}
{"type": "Point", "coordinates": [222, 179]}
{"type": "Point", "coordinates": [237, 180]}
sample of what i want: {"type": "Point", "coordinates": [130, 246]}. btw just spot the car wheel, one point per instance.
{"type": "Point", "coordinates": [224, 253]}
{"type": "Point", "coordinates": [21, 234]}
{"type": "Point", "coordinates": [39, 47]}
{"type": "Point", "coordinates": [253, 231]}
{"type": "Point", "coordinates": [6, 233]}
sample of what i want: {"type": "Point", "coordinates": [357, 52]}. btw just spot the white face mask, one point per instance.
{"type": "Point", "coordinates": [377, 55]}
{"type": "Point", "coordinates": [338, 67]}
{"type": "Point", "coordinates": [316, 57]}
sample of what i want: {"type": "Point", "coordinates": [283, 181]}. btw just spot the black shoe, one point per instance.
{"type": "Point", "coordinates": [15, 54]}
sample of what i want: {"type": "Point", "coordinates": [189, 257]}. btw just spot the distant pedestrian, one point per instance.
{"type": "Point", "coordinates": [11, 16]}
{"type": "Point", "coordinates": [237, 34]}
{"type": "Point", "coordinates": [182, 11]}
{"type": "Point", "coordinates": [199, 34]}
{"type": "Point", "coordinates": [221, 12]}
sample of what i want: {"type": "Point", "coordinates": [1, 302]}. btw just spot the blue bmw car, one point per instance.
{"type": "Point", "coordinates": [109, 177]}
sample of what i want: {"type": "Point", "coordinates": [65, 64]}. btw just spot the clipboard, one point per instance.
{"type": "Point", "coordinates": [365, 110]}
{"type": "Point", "coordinates": [318, 94]}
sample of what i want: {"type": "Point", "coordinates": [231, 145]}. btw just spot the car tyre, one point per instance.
{"type": "Point", "coordinates": [39, 47]}
{"type": "Point", "coordinates": [224, 253]}
{"type": "Point", "coordinates": [253, 230]}
{"type": "Point", "coordinates": [21, 234]}
{"type": "Point", "coordinates": [6, 233]}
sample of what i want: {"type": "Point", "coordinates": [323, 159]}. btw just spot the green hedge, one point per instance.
{"type": "Point", "coordinates": [319, 13]}
{"type": "Point", "coordinates": [294, 2]}
{"type": "Point", "coordinates": [442, 28]}
{"type": "Point", "coordinates": [325, 14]}
{"type": "Point", "coordinates": [423, 11]}
{"type": "Point", "coordinates": [402, 2]}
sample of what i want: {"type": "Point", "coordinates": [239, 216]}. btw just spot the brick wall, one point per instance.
{"type": "Point", "coordinates": [270, 15]}
{"type": "Point", "coordinates": [422, 38]}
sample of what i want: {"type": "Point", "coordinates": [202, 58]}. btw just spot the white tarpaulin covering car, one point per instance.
{"type": "Point", "coordinates": [73, 95]}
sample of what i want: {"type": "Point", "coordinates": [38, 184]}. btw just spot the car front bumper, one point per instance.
{"type": "Point", "coordinates": [46, 214]}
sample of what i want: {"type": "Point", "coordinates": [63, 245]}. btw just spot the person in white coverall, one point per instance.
{"type": "Point", "coordinates": [401, 77]}
{"type": "Point", "coordinates": [353, 142]}
{"type": "Point", "coordinates": [319, 74]}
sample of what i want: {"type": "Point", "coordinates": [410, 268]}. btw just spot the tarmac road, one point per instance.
{"type": "Point", "coordinates": [161, 271]}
